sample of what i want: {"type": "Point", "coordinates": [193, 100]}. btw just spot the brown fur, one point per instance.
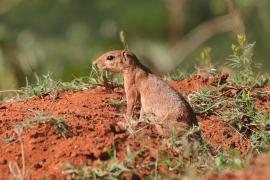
{"type": "Point", "coordinates": [155, 96]}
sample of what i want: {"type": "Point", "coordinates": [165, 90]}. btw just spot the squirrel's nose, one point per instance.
{"type": "Point", "coordinates": [95, 62]}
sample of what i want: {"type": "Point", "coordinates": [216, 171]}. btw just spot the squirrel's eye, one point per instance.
{"type": "Point", "coordinates": [110, 58]}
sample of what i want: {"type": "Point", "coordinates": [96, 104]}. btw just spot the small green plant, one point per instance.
{"type": "Point", "coordinates": [207, 101]}
{"type": "Point", "coordinates": [176, 75]}
{"type": "Point", "coordinates": [112, 169]}
{"type": "Point", "coordinates": [205, 62]}
{"type": "Point", "coordinates": [243, 106]}
{"type": "Point", "coordinates": [42, 118]}
{"type": "Point", "coordinates": [260, 141]}
{"type": "Point", "coordinates": [206, 66]}
{"type": "Point", "coordinates": [231, 160]}
{"type": "Point", "coordinates": [242, 59]}
{"type": "Point", "coordinates": [247, 120]}
{"type": "Point", "coordinates": [192, 156]}
{"type": "Point", "coordinates": [206, 57]}
{"type": "Point", "coordinates": [61, 126]}
{"type": "Point", "coordinates": [45, 85]}
{"type": "Point", "coordinates": [260, 137]}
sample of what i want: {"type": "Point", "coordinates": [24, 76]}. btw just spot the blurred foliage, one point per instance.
{"type": "Point", "coordinates": [63, 36]}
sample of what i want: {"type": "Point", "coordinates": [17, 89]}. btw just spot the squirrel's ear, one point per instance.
{"type": "Point", "coordinates": [127, 58]}
{"type": "Point", "coordinates": [126, 55]}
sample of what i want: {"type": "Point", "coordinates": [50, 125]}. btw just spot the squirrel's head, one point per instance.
{"type": "Point", "coordinates": [116, 61]}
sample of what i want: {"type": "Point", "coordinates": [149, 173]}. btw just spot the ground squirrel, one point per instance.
{"type": "Point", "coordinates": [155, 96]}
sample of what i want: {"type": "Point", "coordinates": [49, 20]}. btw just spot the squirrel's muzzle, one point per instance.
{"type": "Point", "coordinates": [98, 63]}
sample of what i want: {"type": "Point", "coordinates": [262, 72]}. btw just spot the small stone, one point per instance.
{"type": "Point", "coordinates": [38, 166]}
{"type": "Point", "coordinates": [73, 154]}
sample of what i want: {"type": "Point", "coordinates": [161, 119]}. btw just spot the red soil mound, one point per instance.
{"type": "Point", "coordinates": [92, 121]}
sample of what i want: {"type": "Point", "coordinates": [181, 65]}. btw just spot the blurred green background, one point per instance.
{"type": "Point", "coordinates": [63, 36]}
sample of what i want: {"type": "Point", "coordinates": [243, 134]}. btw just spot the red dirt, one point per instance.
{"type": "Point", "coordinates": [198, 81]}
{"type": "Point", "coordinates": [92, 122]}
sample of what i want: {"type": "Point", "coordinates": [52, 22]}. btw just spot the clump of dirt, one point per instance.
{"type": "Point", "coordinates": [92, 116]}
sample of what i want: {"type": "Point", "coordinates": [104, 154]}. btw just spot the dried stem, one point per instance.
{"type": "Point", "coordinates": [8, 91]}
{"type": "Point", "coordinates": [19, 131]}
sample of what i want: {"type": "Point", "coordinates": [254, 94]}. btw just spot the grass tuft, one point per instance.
{"type": "Point", "coordinates": [42, 118]}
{"type": "Point", "coordinates": [112, 169]}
